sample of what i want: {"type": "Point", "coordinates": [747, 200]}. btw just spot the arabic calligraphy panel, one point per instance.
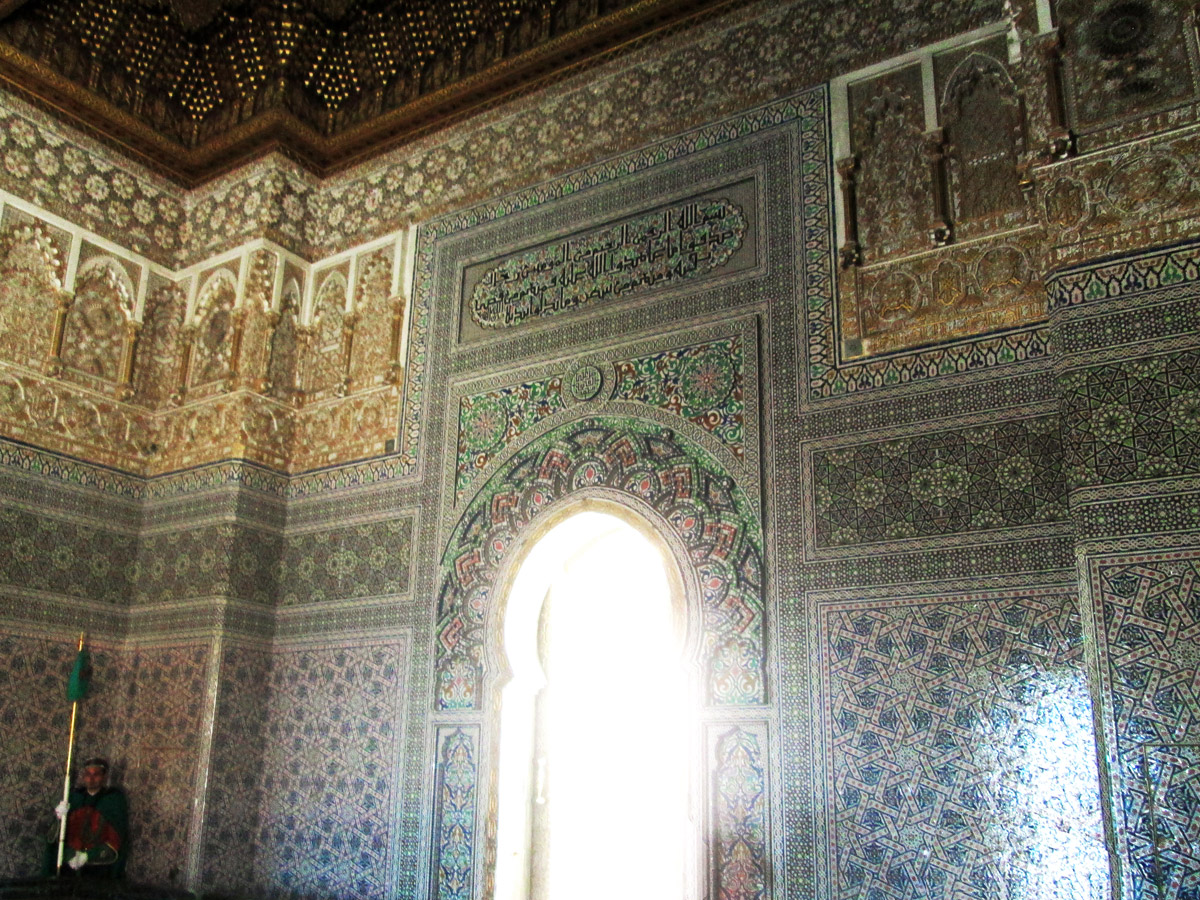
{"type": "Point", "coordinates": [661, 248]}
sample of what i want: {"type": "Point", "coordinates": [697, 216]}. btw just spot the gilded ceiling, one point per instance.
{"type": "Point", "coordinates": [194, 87]}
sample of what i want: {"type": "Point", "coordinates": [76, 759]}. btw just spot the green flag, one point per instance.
{"type": "Point", "coordinates": [81, 674]}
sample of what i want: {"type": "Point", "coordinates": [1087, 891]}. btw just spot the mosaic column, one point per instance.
{"type": "Point", "coordinates": [454, 828]}
{"type": "Point", "coordinates": [738, 812]}
{"type": "Point", "coordinates": [1129, 376]}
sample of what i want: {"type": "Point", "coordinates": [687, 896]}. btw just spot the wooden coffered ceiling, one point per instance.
{"type": "Point", "coordinates": [193, 88]}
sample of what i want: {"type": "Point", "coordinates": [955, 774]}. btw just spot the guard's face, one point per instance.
{"type": "Point", "coordinates": [93, 779]}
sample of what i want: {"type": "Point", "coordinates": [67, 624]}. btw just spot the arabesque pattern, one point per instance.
{"type": "Point", "coordinates": [702, 383]}
{"type": "Point", "coordinates": [489, 422]}
{"type": "Point", "coordinates": [741, 817]}
{"type": "Point", "coordinates": [620, 456]}
{"type": "Point", "coordinates": [456, 815]}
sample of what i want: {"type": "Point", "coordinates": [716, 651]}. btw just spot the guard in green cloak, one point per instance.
{"type": "Point", "coordinates": [97, 827]}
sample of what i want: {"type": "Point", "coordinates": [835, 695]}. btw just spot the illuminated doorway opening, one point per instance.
{"type": "Point", "coordinates": [598, 729]}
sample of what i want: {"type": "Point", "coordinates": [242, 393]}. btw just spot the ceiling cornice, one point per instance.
{"type": "Point", "coordinates": [278, 130]}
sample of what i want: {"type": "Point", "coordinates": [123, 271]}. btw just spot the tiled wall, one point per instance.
{"type": "Point", "coordinates": [933, 569]}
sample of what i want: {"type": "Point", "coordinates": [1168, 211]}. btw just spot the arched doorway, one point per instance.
{"type": "Point", "coordinates": [598, 733]}
{"type": "Point", "coordinates": [677, 493]}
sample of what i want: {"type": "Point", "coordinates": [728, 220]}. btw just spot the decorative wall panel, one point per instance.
{"type": "Point", "coordinates": [984, 122]}
{"type": "Point", "coordinates": [156, 362]}
{"type": "Point", "coordinates": [97, 324]}
{"type": "Point", "coordinates": [159, 756]}
{"type": "Point", "coordinates": [958, 735]}
{"type": "Point", "coordinates": [367, 560]}
{"type": "Point", "coordinates": [330, 769]}
{"type": "Point", "coordinates": [658, 249]}
{"type": "Point", "coordinates": [28, 300]}
{"type": "Point", "coordinates": [1146, 619]}
{"type": "Point", "coordinates": [999, 475]}
{"type": "Point", "coordinates": [324, 367]}
{"type": "Point", "coordinates": [234, 790]}
{"type": "Point", "coordinates": [1139, 418]}
{"type": "Point", "coordinates": [455, 824]}
{"type": "Point", "coordinates": [226, 560]}
{"type": "Point", "coordinates": [1172, 774]}
{"type": "Point", "coordinates": [212, 337]}
{"type": "Point", "coordinates": [68, 558]}
{"type": "Point", "coordinates": [613, 456]}
{"type": "Point", "coordinates": [741, 820]}
{"type": "Point", "coordinates": [925, 764]}
{"type": "Point", "coordinates": [371, 360]}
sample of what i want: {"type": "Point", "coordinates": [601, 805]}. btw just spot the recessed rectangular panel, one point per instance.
{"type": "Point", "coordinates": [683, 242]}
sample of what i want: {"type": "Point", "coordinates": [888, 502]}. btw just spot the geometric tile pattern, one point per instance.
{"type": "Point", "coordinates": [960, 738]}
{"type": "Point", "coordinates": [626, 457]}
{"type": "Point", "coordinates": [1132, 420]}
{"type": "Point", "coordinates": [159, 750]}
{"type": "Point", "coordinates": [366, 560]}
{"type": "Point", "coordinates": [943, 482]}
{"type": "Point", "coordinates": [69, 558]}
{"type": "Point", "coordinates": [1147, 616]}
{"type": "Point", "coordinates": [233, 801]}
{"type": "Point", "coordinates": [455, 825]}
{"type": "Point", "coordinates": [701, 383]}
{"type": "Point", "coordinates": [1173, 779]}
{"type": "Point", "coordinates": [329, 771]}
{"type": "Point", "coordinates": [741, 817]}
{"type": "Point", "coordinates": [489, 422]}
{"type": "Point", "coordinates": [226, 559]}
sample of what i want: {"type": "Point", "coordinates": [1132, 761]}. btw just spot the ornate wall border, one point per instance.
{"type": "Point", "coordinates": [603, 359]}
{"type": "Point", "coordinates": [1032, 530]}
{"type": "Point", "coordinates": [689, 490]}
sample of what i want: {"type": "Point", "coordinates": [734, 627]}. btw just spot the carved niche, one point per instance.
{"type": "Point", "coordinates": [324, 369]}
{"type": "Point", "coordinates": [372, 354]}
{"type": "Point", "coordinates": [156, 359]}
{"type": "Point", "coordinates": [895, 197]}
{"type": "Point", "coordinates": [283, 353]}
{"type": "Point", "coordinates": [98, 323]}
{"type": "Point", "coordinates": [985, 135]}
{"type": "Point", "coordinates": [212, 345]}
{"type": "Point", "coordinates": [259, 319]}
{"type": "Point", "coordinates": [31, 268]}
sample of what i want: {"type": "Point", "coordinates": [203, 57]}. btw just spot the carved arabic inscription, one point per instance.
{"type": "Point", "coordinates": [649, 251]}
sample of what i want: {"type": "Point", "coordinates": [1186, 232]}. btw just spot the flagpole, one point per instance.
{"type": "Point", "coordinates": [62, 823]}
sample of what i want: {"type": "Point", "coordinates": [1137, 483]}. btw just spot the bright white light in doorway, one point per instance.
{"type": "Point", "coordinates": [617, 767]}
